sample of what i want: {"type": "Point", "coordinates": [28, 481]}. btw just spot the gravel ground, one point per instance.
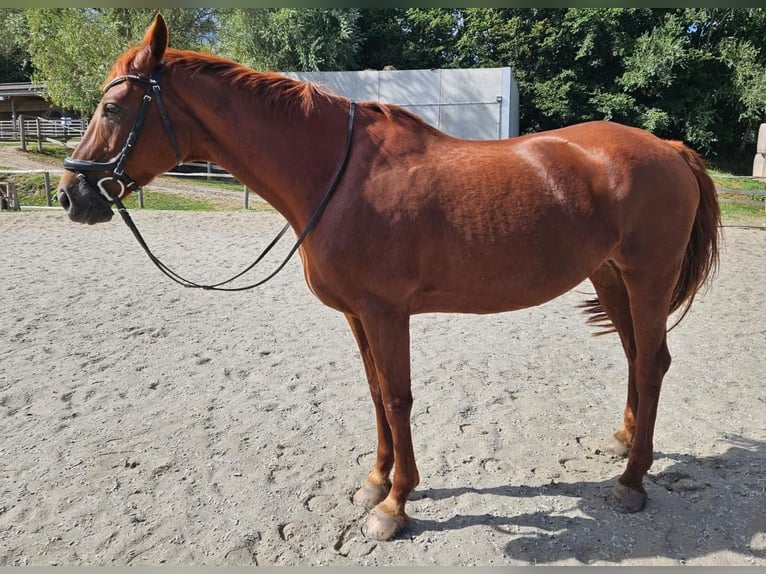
{"type": "Point", "coordinates": [145, 423]}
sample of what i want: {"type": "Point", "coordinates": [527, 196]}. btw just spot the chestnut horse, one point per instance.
{"type": "Point", "coordinates": [421, 222]}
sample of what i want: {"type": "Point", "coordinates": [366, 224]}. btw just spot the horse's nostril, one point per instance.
{"type": "Point", "coordinates": [64, 199]}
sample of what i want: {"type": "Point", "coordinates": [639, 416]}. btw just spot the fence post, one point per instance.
{"type": "Point", "coordinates": [12, 191]}
{"type": "Point", "coordinates": [140, 197]}
{"type": "Point", "coordinates": [9, 199]}
{"type": "Point", "coordinates": [39, 135]}
{"type": "Point", "coordinates": [247, 198]}
{"type": "Point", "coordinates": [47, 178]}
{"type": "Point", "coordinates": [22, 133]}
{"type": "Point", "coordinates": [499, 100]}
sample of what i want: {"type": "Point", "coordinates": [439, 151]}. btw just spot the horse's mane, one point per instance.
{"type": "Point", "coordinates": [277, 89]}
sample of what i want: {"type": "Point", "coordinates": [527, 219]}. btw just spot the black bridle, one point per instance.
{"type": "Point", "coordinates": [116, 167]}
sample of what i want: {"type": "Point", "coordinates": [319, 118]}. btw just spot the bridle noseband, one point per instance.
{"type": "Point", "coordinates": [117, 165]}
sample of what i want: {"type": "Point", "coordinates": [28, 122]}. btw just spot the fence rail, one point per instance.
{"type": "Point", "coordinates": [211, 171]}
{"type": "Point", "coordinates": [37, 129]}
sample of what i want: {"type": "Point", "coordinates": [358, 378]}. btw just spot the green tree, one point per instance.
{"type": "Point", "coordinates": [693, 74]}
{"type": "Point", "coordinates": [431, 36]}
{"type": "Point", "coordinates": [291, 39]}
{"type": "Point", "coordinates": [748, 85]}
{"type": "Point", "coordinates": [15, 65]}
{"type": "Point", "coordinates": [407, 38]}
{"type": "Point", "coordinates": [736, 37]}
{"type": "Point", "coordinates": [697, 74]}
{"type": "Point", "coordinates": [700, 75]}
{"type": "Point", "coordinates": [72, 49]}
{"type": "Point", "coordinates": [565, 61]}
{"type": "Point", "coordinates": [381, 38]}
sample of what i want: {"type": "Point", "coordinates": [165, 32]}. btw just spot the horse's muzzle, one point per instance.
{"type": "Point", "coordinates": [83, 203]}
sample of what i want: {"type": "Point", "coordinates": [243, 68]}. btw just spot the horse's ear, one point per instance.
{"type": "Point", "coordinates": [153, 47]}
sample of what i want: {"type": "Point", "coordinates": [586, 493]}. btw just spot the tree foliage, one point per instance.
{"type": "Point", "coordinates": [15, 65]}
{"type": "Point", "coordinates": [72, 49]}
{"type": "Point", "coordinates": [693, 74]}
{"type": "Point", "coordinates": [697, 74]}
{"type": "Point", "coordinates": [286, 39]}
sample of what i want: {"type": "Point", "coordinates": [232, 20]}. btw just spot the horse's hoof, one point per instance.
{"type": "Point", "coordinates": [370, 495]}
{"type": "Point", "coordinates": [381, 526]}
{"type": "Point", "coordinates": [626, 499]}
{"type": "Point", "coordinates": [617, 448]}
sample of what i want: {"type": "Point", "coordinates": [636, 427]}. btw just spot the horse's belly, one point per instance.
{"type": "Point", "coordinates": [478, 298]}
{"type": "Point", "coordinates": [492, 281]}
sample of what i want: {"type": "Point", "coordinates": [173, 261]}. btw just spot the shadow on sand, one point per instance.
{"type": "Point", "coordinates": [697, 506]}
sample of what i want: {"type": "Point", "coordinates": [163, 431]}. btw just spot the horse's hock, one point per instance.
{"type": "Point", "coordinates": [759, 163]}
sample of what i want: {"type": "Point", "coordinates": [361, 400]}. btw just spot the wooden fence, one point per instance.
{"type": "Point", "coordinates": [28, 129]}
{"type": "Point", "coordinates": [205, 170]}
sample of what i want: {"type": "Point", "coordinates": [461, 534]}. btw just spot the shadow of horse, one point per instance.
{"type": "Point", "coordinates": [697, 507]}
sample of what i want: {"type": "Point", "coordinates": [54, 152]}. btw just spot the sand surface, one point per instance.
{"type": "Point", "coordinates": [145, 423]}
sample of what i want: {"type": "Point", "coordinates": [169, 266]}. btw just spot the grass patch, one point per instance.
{"type": "Point", "coordinates": [30, 187]}
{"type": "Point", "coordinates": [742, 213]}
{"type": "Point", "coordinates": [224, 183]}
{"type": "Point", "coordinates": [733, 182]}
{"type": "Point", "coordinates": [161, 200]}
{"type": "Point", "coordinates": [748, 207]}
{"type": "Point", "coordinates": [31, 190]}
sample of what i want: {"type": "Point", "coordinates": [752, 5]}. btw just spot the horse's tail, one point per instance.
{"type": "Point", "coordinates": [702, 252]}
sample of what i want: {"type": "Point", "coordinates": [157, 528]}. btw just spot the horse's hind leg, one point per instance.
{"type": "Point", "coordinates": [376, 485]}
{"type": "Point", "coordinates": [649, 295]}
{"type": "Point", "coordinates": [613, 301]}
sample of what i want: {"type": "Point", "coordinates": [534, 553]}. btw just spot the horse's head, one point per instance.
{"type": "Point", "coordinates": [129, 140]}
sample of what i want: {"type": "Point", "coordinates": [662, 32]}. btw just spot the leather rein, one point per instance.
{"type": "Point", "coordinates": [127, 184]}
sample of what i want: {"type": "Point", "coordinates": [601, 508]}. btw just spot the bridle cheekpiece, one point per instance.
{"type": "Point", "coordinates": [117, 165]}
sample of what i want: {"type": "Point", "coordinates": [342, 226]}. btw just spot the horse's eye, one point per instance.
{"type": "Point", "coordinates": [111, 109]}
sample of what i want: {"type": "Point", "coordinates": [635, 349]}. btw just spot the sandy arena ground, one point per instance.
{"type": "Point", "coordinates": [145, 423]}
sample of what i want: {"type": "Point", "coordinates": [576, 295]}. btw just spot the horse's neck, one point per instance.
{"type": "Point", "coordinates": [287, 158]}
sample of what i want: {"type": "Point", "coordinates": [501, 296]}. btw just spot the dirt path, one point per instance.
{"type": "Point", "coordinates": [11, 157]}
{"type": "Point", "coordinates": [145, 423]}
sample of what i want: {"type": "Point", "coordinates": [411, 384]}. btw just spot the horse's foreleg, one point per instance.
{"type": "Point", "coordinates": [376, 485]}
{"type": "Point", "coordinates": [649, 312]}
{"type": "Point", "coordinates": [388, 337]}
